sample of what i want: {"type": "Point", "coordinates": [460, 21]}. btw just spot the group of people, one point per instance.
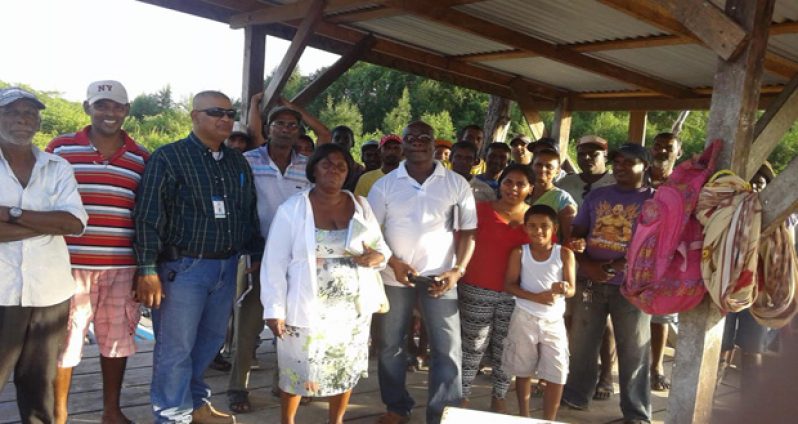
{"type": "Point", "coordinates": [508, 258]}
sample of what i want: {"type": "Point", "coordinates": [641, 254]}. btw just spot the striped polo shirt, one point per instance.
{"type": "Point", "coordinates": [108, 190]}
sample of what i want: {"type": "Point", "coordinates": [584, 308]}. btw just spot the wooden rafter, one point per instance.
{"type": "Point", "coordinates": [638, 119]}
{"type": "Point", "coordinates": [771, 127]}
{"type": "Point", "coordinates": [707, 23]}
{"type": "Point", "coordinates": [779, 198]}
{"type": "Point", "coordinates": [298, 44]}
{"type": "Point", "coordinates": [318, 85]}
{"type": "Point", "coordinates": [483, 28]}
{"type": "Point", "coordinates": [287, 12]}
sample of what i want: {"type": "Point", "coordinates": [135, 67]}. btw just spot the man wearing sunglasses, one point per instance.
{"type": "Point", "coordinates": [194, 214]}
{"type": "Point", "coordinates": [279, 172]}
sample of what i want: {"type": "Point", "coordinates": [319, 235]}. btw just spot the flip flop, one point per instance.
{"type": "Point", "coordinates": [660, 383]}
{"type": "Point", "coordinates": [238, 402]}
{"type": "Point", "coordinates": [603, 393]}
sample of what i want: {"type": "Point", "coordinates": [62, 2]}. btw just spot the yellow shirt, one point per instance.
{"type": "Point", "coordinates": [367, 180]}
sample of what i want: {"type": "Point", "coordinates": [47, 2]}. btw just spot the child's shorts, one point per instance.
{"type": "Point", "coordinates": [536, 347]}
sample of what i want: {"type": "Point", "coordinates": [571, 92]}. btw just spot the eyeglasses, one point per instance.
{"type": "Point", "coordinates": [286, 125]}
{"type": "Point", "coordinates": [423, 138]}
{"type": "Point", "coordinates": [218, 112]}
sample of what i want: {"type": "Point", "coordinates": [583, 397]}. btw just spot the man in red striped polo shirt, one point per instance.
{"type": "Point", "coordinates": [108, 166]}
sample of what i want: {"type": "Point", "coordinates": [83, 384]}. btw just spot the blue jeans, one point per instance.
{"type": "Point", "coordinates": [190, 328]}
{"type": "Point", "coordinates": [442, 322]}
{"type": "Point", "coordinates": [633, 341]}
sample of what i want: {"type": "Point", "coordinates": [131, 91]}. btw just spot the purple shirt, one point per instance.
{"type": "Point", "coordinates": [610, 215]}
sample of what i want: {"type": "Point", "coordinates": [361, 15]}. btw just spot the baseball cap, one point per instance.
{"type": "Point", "coordinates": [106, 89]}
{"type": "Point", "coordinates": [594, 140]}
{"type": "Point", "coordinates": [283, 109]}
{"type": "Point", "coordinates": [522, 138]}
{"type": "Point", "coordinates": [390, 137]}
{"type": "Point", "coordinates": [240, 129]}
{"type": "Point", "coordinates": [444, 143]}
{"type": "Point", "coordinates": [12, 94]}
{"type": "Point", "coordinates": [370, 143]}
{"type": "Point", "coordinates": [632, 150]}
{"type": "Point", "coordinates": [545, 144]}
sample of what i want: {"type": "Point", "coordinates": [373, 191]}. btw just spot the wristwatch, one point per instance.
{"type": "Point", "coordinates": [14, 213]}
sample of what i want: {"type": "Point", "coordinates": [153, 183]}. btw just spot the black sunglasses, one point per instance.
{"type": "Point", "coordinates": [218, 112]}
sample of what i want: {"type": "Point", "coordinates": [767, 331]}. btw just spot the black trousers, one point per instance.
{"type": "Point", "coordinates": [30, 341]}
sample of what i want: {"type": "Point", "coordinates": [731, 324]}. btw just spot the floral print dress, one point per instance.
{"type": "Point", "coordinates": [330, 357]}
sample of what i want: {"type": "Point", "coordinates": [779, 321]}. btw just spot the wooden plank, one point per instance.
{"type": "Point", "coordinates": [780, 198]}
{"type": "Point", "coordinates": [737, 84]}
{"type": "Point", "coordinates": [561, 125]}
{"type": "Point", "coordinates": [254, 63]}
{"type": "Point", "coordinates": [771, 127]}
{"type": "Point", "coordinates": [637, 127]}
{"type": "Point", "coordinates": [292, 11]}
{"type": "Point", "coordinates": [318, 85]}
{"type": "Point", "coordinates": [298, 44]}
{"type": "Point", "coordinates": [521, 41]}
{"type": "Point", "coordinates": [731, 118]}
{"type": "Point", "coordinates": [709, 24]}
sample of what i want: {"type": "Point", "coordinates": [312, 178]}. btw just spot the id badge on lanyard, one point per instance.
{"type": "Point", "coordinates": [219, 211]}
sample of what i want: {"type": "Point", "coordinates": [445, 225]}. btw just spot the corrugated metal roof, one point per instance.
{"type": "Point", "coordinates": [785, 45]}
{"type": "Point", "coordinates": [689, 65]}
{"type": "Point", "coordinates": [784, 10]}
{"type": "Point", "coordinates": [557, 74]}
{"type": "Point", "coordinates": [560, 21]}
{"type": "Point", "coordinates": [430, 35]}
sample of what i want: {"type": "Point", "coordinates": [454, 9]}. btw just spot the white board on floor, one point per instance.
{"type": "Point", "coordinates": [453, 415]}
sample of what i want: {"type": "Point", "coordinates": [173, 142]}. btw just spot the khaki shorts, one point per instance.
{"type": "Point", "coordinates": [536, 347]}
{"type": "Point", "coordinates": [105, 298]}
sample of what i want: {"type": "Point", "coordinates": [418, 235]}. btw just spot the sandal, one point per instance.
{"type": "Point", "coordinates": [238, 402]}
{"type": "Point", "coordinates": [603, 392]}
{"type": "Point", "coordinates": [660, 383]}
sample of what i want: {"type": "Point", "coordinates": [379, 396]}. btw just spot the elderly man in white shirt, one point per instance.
{"type": "Point", "coordinates": [420, 205]}
{"type": "Point", "coordinates": [39, 203]}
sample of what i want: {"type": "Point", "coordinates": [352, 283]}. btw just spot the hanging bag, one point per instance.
{"type": "Point", "coordinates": [664, 257]}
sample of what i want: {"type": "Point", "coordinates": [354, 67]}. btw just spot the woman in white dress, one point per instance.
{"type": "Point", "coordinates": [321, 285]}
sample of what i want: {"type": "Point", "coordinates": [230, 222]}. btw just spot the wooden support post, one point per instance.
{"type": "Point", "coordinates": [298, 44]}
{"type": "Point", "coordinates": [731, 117]}
{"type": "Point", "coordinates": [772, 125]}
{"type": "Point", "coordinates": [527, 106]}
{"type": "Point", "coordinates": [779, 198]}
{"type": "Point", "coordinates": [318, 85]}
{"type": "Point", "coordinates": [638, 120]}
{"type": "Point", "coordinates": [561, 125]}
{"type": "Point", "coordinates": [497, 121]}
{"type": "Point", "coordinates": [254, 62]}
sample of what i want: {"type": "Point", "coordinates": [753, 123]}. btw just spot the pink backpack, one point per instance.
{"type": "Point", "coordinates": [664, 257]}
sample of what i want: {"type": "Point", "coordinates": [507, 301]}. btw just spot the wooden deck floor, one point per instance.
{"type": "Point", "coordinates": [86, 396]}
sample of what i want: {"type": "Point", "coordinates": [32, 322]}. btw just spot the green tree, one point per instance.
{"type": "Point", "coordinates": [441, 122]}
{"type": "Point", "coordinates": [343, 112]}
{"type": "Point", "coordinates": [395, 121]}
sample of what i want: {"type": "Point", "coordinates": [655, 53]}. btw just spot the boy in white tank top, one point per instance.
{"type": "Point", "coordinates": [540, 275]}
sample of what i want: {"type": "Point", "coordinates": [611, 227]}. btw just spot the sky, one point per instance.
{"type": "Point", "coordinates": [63, 45]}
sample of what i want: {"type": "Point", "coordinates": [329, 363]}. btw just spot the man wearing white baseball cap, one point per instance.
{"type": "Point", "coordinates": [39, 204]}
{"type": "Point", "coordinates": [108, 166]}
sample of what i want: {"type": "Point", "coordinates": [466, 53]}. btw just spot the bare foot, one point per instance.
{"type": "Point", "coordinates": [115, 417]}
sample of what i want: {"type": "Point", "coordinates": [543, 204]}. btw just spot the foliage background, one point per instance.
{"type": "Point", "coordinates": [373, 101]}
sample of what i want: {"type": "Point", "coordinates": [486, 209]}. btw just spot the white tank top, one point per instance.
{"type": "Point", "coordinates": [537, 277]}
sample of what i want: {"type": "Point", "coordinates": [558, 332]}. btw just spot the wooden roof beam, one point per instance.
{"type": "Point", "coordinates": [483, 28]}
{"type": "Point", "coordinates": [318, 85]}
{"type": "Point", "coordinates": [780, 198]}
{"type": "Point", "coordinates": [289, 12]}
{"type": "Point", "coordinates": [707, 23]}
{"type": "Point", "coordinates": [287, 65]}
{"type": "Point", "coordinates": [771, 127]}
{"type": "Point", "coordinates": [409, 53]}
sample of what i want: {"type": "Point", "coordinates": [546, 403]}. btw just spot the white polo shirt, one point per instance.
{"type": "Point", "coordinates": [272, 186]}
{"type": "Point", "coordinates": [418, 219]}
{"type": "Point", "coordinates": [36, 271]}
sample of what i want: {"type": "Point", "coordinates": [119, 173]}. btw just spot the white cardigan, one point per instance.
{"type": "Point", "coordinates": [288, 271]}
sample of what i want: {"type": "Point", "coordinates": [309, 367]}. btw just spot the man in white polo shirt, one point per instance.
{"type": "Point", "coordinates": [419, 206]}
{"type": "Point", "coordinates": [39, 204]}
